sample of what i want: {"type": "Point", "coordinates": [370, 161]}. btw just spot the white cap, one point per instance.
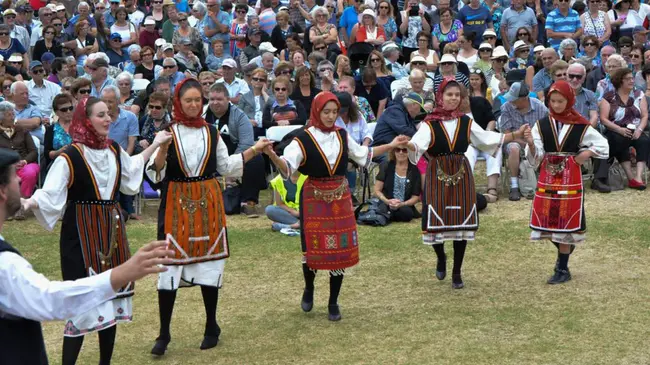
{"type": "Point", "coordinates": [418, 58]}
{"type": "Point", "coordinates": [389, 45]}
{"type": "Point", "coordinates": [448, 58]}
{"type": "Point", "coordinates": [485, 45]}
{"type": "Point", "coordinates": [150, 21]}
{"type": "Point", "coordinates": [519, 44]}
{"type": "Point", "coordinates": [160, 42]}
{"type": "Point", "coordinates": [367, 12]}
{"type": "Point", "coordinates": [167, 46]}
{"type": "Point", "coordinates": [499, 52]}
{"type": "Point", "coordinates": [489, 32]}
{"type": "Point", "coordinates": [539, 48]}
{"type": "Point", "coordinates": [16, 57]}
{"type": "Point", "coordinates": [60, 7]}
{"type": "Point", "coordinates": [229, 62]}
{"type": "Point", "coordinates": [267, 47]}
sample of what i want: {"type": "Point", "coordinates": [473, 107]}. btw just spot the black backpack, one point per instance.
{"type": "Point", "coordinates": [377, 214]}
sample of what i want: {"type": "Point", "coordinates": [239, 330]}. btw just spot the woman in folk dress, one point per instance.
{"type": "Point", "coordinates": [561, 143]}
{"type": "Point", "coordinates": [191, 214]}
{"type": "Point", "coordinates": [81, 186]}
{"type": "Point", "coordinates": [329, 232]}
{"type": "Point", "coordinates": [449, 206]}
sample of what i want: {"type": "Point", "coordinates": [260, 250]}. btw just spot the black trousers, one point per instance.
{"type": "Point", "coordinates": [253, 180]}
{"type": "Point", "coordinates": [619, 146]}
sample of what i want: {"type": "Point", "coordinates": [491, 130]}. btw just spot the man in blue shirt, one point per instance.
{"type": "Point", "coordinates": [216, 26]}
{"type": "Point", "coordinates": [542, 78]}
{"type": "Point", "coordinates": [476, 18]}
{"type": "Point", "coordinates": [349, 18]}
{"type": "Point", "coordinates": [109, 15]}
{"type": "Point", "coordinates": [124, 130]}
{"type": "Point", "coordinates": [563, 22]}
{"type": "Point", "coordinates": [515, 17]}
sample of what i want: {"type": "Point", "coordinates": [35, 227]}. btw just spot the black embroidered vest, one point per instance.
{"type": "Point", "coordinates": [550, 136]}
{"type": "Point", "coordinates": [175, 170]}
{"type": "Point", "coordinates": [314, 163]}
{"type": "Point", "coordinates": [82, 185]}
{"type": "Point", "coordinates": [444, 144]}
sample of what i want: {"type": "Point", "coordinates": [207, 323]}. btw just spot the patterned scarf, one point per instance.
{"type": "Point", "coordinates": [568, 115]}
{"type": "Point", "coordinates": [83, 132]}
{"type": "Point", "coordinates": [179, 115]}
{"type": "Point", "coordinates": [317, 106]}
{"type": "Point", "coordinates": [440, 114]}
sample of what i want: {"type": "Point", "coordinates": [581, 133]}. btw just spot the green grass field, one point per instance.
{"type": "Point", "coordinates": [394, 310]}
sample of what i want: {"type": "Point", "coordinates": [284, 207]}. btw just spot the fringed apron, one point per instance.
{"type": "Point", "coordinates": [93, 240]}
{"type": "Point", "coordinates": [449, 206]}
{"type": "Point", "coordinates": [329, 229]}
{"type": "Point", "coordinates": [558, 206]}
{"type": "Point", "coordinates": [191, 215]}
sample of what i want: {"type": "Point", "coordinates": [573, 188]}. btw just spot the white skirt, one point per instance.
{"type": "Point", "coordinates": [209, 273]}
{"type": "Point", "coordinates": [565, 238]}
{"type": "Point", "coordinates": [101, 317]}
{"type": "Point", "coordinates": [440, 238]}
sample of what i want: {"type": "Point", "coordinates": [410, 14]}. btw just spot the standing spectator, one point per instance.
{"type": "Point", "coordinates": [215, 24]}
{"type": "Point", "coordinates": [18, 32]}
{"type": "Point", "coordinates": [413, 21]}
{"type": "Point", "coordinates": [623, 19]}
{"type": "Point", "coordinates": [149, 34]}
{"type": "Point", "coordinates": [171, 24]}
{"type": "Point", "coordinates": [447, 30]}
{"type": "Point", "coordinates": [18, 139]}
{"type": "Point", "coordinates": [321, 30]}
{"type": "Point", "coordinates": [436, 16]}
{"type": "Point", "coordinates": [124, 129]}
{"type": "Point", "coordinates": [282, 31]}
{"type": "Point", "coordinates": [349, 18]}
{"type": "Point", "coordinates": [368, 30]}
{"type": "Point", "coordinates": [41, 91]}
{"type": "Point", "coordinates": [135, 15]}
{"type": "Point", "coordinates": [86, 43]}
{"type": "Point", "coordinates": [595, 22]}
{"type": "Point", "coordinates": [561, 23]}
{"type": "Point", "coordinates": [543, 79]}
{"type": "Point", "coordinates": [110, 15]}
{"type": "Point", "coordinates": [45, 15]}
{"type": "Point", "coordinates": [496, 9]}
{"type": "Point", "coordinates": [125, 28]}
{"type": "Point", "coordinates": [267, 17]}
{"type": "Point", "coordinates": [519, 109]}
{"type": "Point", "coordinates": [386, 19]}
{"type": "Point", "coordinates": [515, 17]}
{"type": "Point", "coordinates": [238, 29]}
{"type": "Point", "coordinates": [236, 86]}
{"type": "Point", "coordinates": [476, 18]}
{"type": "Point", "coordinates": [9, 45]}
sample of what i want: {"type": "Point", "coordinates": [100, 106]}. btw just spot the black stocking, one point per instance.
{"type": "Point", "coordinates": [166, 299]}
{"type": "Point", "coordinates": [442, 258]}
{"type": "Point", "coordinates": [309, 278]}
{"type": "Point", "coordinates": [335, 288]}
{"type": "Point", "coordinates": [459, 254]}
{"type": "Point", "coordinates": [210, 298]}
{"type": "Point", "coordinates": [106, 345]}
{"type": "Point", "coordinates": [71, 349]}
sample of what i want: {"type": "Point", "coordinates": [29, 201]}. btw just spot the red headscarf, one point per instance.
{"type": "Point", "coordinates": [569, 115]}
{"type": "Point", "coordinates": [440, 113]}
{"type": "Point", "coordinates": [179, 115]}
{"type": "Point", "coordinates": [82, 131]}
{"type": "Point", "coordinates": [317, 106]}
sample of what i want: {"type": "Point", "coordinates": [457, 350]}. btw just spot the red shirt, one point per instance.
{"type": "Point", "coordinates": [148, 39]}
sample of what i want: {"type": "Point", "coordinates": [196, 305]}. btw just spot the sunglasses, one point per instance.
{"type": "Point", "coordinates": [4, 34]}
{"type": "Point", "coordinates": [622, 45]}
{"type": "Point", "coordinates": [182, 20]}
{"type": "Point", "coordinates": [522, 34]}
{"type": "Point", "coordinates": [207, 83]}
{"type": "Point", "coordinates": [155, 107]}
{"type": "Point", "coordinates": [320, 48]}
{"type": "Point", "coordinates": [486, 50]}
{"type": "Point", "coordinates": [285, 72]}
{"type": "Point", "coordinates": [560, 75]}
{"type": "Point", "coordinates": [590, 44]}
{"type": "Point", "coordinates": [447, 63]}
{"type": "Point", "coordinates": [563, 1]}
{"type": "Point", "coordinates": [38, 71]}
{"type": "Point", "coordinates": [168, 67]}
{"type": "Point", "coordinates": [375, 60]}
{"type": "Point", "coordinates": [65, 110]}
{"type": "Point", "coordinates": [423, 40]}
{"type": "Point", "coordinates": [48, 33]}
{"type": "Point", "coordinates": [10, 16]}
{"type": "Point", "coordinates": [401, 150]}
{"type": "Point", "coordinates": [57, 24]}
{"type": "Point", "coordinates": [418, 63]}
{"type": "Point", "coordinates": [577, 77]}
{"type": "Point", "coordinates": [241, 11]}
{"type": "Point", "coordinates": [453, 52]}
{"type": "Point", "coordinates": [635, 56]}
{"type": "Point", "coordinates": [84, 91]}
{"type": "Point", "coordinates": [280, 89]}
{"type": "Point", "coordinates": [257, 79]}
{"type": "Point", "coordinates": [384, 7]}
{"type": "Point", "coordinates": [160, 2]}
{"type": "Point", "coordinates": [6, 87]}
{"type": "Point", "coordinates": [487, 38]}
{"type": "Point", "coordinates": [501, 60]}
{"type": "Point", "coordinates": [100, 8]}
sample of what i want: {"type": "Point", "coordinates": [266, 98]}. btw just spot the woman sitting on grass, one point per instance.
{"type": "Point", "coordinates": [398, 186]}
{"type": "Point", "coordinates": [284, 213]}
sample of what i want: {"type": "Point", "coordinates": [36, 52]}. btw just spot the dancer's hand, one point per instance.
{"type": "Point", "coordinates": [148, 260]}
{"type": "Point", "coordinates": [27, 204]}
{"type": "Point", "coordinates": [162, 138]}
{"type": "Point", "coordinates": [399, 141]}
{"type": "Point", "coordinates": [528, 135]}
{"type": "Point", "coordinates": [262, 144]}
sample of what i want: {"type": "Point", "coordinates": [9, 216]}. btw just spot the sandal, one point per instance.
{"type": "Point", "coordinates": [491, 198]}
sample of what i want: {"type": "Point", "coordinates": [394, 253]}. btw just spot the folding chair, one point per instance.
{"type": "Point", "coordinates": [139, 84]}
{"type": "Point", "coordinates": [146, 193]}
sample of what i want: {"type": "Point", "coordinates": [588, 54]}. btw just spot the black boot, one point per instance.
{"type": "Point", "coordinates": [562, 273]}
{"type": "Point", "coordinates": [441, 266]}
{"type": "Point", "coordinates": [334, 312]}
{"type": "Point", "coordinates": [307, 302]}
{"type": "Point", "coordinates": [212, 330]}
{"type": "Point", "coordinates": [336, 281]}
{"type": "Point", "coordinates": [166, 299]}
{"type": "Point", "coordinates": [459, 255]}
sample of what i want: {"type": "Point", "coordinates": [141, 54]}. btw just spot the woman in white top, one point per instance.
{"type": "Point", "coordinates": [624, 19]}
{"type": "Point", "coordinates": [424, 50]}
{"type": "Point", "coordinates": [596, 22]}
{"type": "Point", "coordinates": [125, 28]}
{"type": "Point", "coordinates": [467, 53]}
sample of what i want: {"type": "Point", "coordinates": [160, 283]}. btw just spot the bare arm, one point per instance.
{"type": "Point", "coordinates": [29, 123]}
{"type": "Point", "coordinates": [130, 148]}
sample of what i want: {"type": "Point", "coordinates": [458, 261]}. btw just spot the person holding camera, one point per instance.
{"type": "Point", "coordinates": [413, 20]}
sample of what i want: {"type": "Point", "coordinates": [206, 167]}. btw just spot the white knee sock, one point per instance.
{"type": "Point", "coordinates": [514, 182]}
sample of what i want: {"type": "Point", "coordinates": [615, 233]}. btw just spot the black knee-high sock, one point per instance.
{"type": "Point", "coordinates": [459, 254]}
{"type": "Point", "coordinates": [335, 288]}
{"type": "Point", "coordinates": [563, 263]}
{"type": "Point", "coordinates": [210, 298]}
{"type": "Point", "coordinates": [71, 349]}
{"type": "Point", "coordinates": [106, 345]}
{"type": "Point", "coordinates": [309, 278]}
{"type": "Point", "coordinates": [440, 251]}
{"type": "Point", "coordinates": [166, 299]}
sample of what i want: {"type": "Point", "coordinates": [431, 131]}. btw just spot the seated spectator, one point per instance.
{"type": "Point", "coordinates": [636, 64]}
{"type": "Point", "coordinates": [97, 67]}
{"type": "Point", "coordinates": [284, 69]}
{"type": "Point", "coordinates": [298, 58]}
{"type": "Point", "coordinates": [417, 81]}
{"type": "Point", "coordinates": [591, 47]}
{"type": "Point", "coordinates": [146, 68]}
{"type": "Point", "coordinates": [521, 59]}
{"type": "Point", "coordinates": [57, 137]}
{"type": "Point", "coordinates": [624, 112]}
{"type": "Point", "coordinates": [125, 83]}
{"type": "Point", "coordinates": [148, 33]}
{"type": "Point", "coordinates": [214, 60]}
{"type": "Point", "coordinates": [283, 111]}
{"type": "Point", "coordinates": [114, 51]}
{"type": "Point", "coordinates": [484, 62]}
{"type": "Point", "coordinates": [367, 30]}
{"type": "Point", "coordinates": [266, 60]}
{"type": "Point", "coordinates": [236, 86]}
{"type": "Point", "coordinates": [625, 47]}
{"type": "Point", "coordinates": [156, 118]}
{"type": "Point", "coordinates": [520, 108]}
{"type": "Point", "coordinates": [16, 62]}
{"type": "Point", "coordinates": [134, 60]}
{"type": "Point", "coordinates": [292, 44]}
{"type": "Point", "coordinates": [425, 49]}
{"type": "Point", "coordinates": [342, 67]}
{"type": "Point", "coordinates": [285, 211]}
{"type": "Point", "coordinates": [542, 78]}
{"type": "Point", "coordinates": [558, 72]}
{"type": "Point", "coordinates": [6, 81]}
{"type": "Point", "coordinates": [399, 119]}
{"type": "Point", "coordinates": [14, 137]}
{"type": "Point", "coordinates": [10, 45]}
{"type": "Point", "coordinates": [185, 56]}
{"type": "Point", "coordinates": [347, 85]}
{"type": "Point", "coordinates": [86, 43]}
{"type": "Point", "coordinates": [185, 31]}
{"type": "Point", "coordinates": [390, 50]}
{"type": "Point", "coordinates": [252, 50]}
{"type": "Point", "coordinates": [586, 103]}
{"type": "Point", "coordinates": [598, 73]}
{"type": "Point", "coordinates": [28, 117]}
{"type": "Point", "coordinates": [169, 70]}
{"type": "Point", "coordinates": [206, 78]}
{"type": "Point", "coordinates": [478, 85]}
{"type": "Point", "coordinates": [417, 62]}
{"type": "Point", "coordinates": [47, 44]}
{"type": "Point", "coordinates": [325, 76]}
{"type": "Point", "coordinates": [41, 91]}
{"type": "Point", "coordinates": [162, 85]}
{"type": "Point", "coordinates": [613, 63]}
{"type": "Point", "coordinates": [384, 76]}
{"type": "Point", "coordinates": [56, 73]}
{"type": "Point", "coordinates": [254, 102]}
{"type": "Point", "coordinates": [568, 50]}
{"type": "Point", "coordinates": [398, 186]}
{"type": "Point", "coordinates": [80, 89]}
{"type": "Point", "coordinates": [453, 49]}
{"type": "Point", "coordinates": [304, 88]}
{"type": "Point", "coordinates": [448, 68]}
{"type": "Point", "coordinates": [369, 87]}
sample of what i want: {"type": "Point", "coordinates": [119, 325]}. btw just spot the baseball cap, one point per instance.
{"type": "Point", "coordinates": [167, 47]}
{"type": "Point", "coordinates": [100, 62]}
{"type": "Point", "coordinates": [115, 36]}
{"type": "Point", "coordinates": [418, 59]}
{"type": "Point", "coordinates": [517, 90]}
{"type": "Point", "coordinates": [345, 100]}
{"type": "Point", "coordinates": [34, 64]}
{"type": "Point", "coordinates": [160, 42]}
{"type": "Point", "coordinates": [9, 12]}
{"type": "Point", "coordinates": [515, 76]}
{"type": "Point", "coordinates": [24, 8]}
{"type": "Point", "coordinates": [60, 7]}
{"type": "Point", "coordinates": [229, 62]}
{"type": "Point", "coordinates": [253, 31]}
{"type": "Point", "coordinates": [47, 57]}
{"type": "Point", "coordinates": [639, 29]}
{"type": "Point", "coordinates": [415, 97]}
{"type": "Point", "coordinates": [267, 47]}
{"type": "Point", "coordinates": [151, 21]}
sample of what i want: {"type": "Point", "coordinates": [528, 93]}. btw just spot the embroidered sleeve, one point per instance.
{"type": "Point", "coordinates": [421, 140]}
{"type": "Point", "coordinates": [596, 143]}
{"type": "Point", "coordinates": [362, 155]}
{"type": "Point", "coordinates": [486, 141]}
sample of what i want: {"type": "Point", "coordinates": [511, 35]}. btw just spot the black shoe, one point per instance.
{"type": "Point", "coordinates": [307, 302]}
{"type": "Point", "coordinates": [334, 312]}
{"type": "Point", "coordinates": [209, 342]}
{"type": "Point", "coordinates": [560, 276]}
{"type": "Point", "coordinates": [457, 282]}
{"type": "Point", "coordinates": [160, 346]}
{"type": "Point", "coordinates": [600, 186]}
{"type": "Point", "coordinates": [515, 195]}
{"type": "Point", "coordinates": [441, 268]}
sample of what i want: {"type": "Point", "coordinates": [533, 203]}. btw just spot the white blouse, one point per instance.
{"type": "Point", "coordinates": [592, 140]}
{"type": "Point", "coordinates": [483, 140]}
{"type": "Point", "coordinates": [193, 152]}
{"type": "Point", "coordinates": [52, 198]}
{"type": "Point", "coordinates": [330, 145]}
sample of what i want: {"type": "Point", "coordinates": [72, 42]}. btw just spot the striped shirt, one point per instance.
{"type": "Point", "coordinates": [512, 119]}
{"type": "Point", "coordinates": [267, 20]}
{"type": "Point", "coordinates": [460, 78]}
{"type": "Point", "coordinates": [557, 22]}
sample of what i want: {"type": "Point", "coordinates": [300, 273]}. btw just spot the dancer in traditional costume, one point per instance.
{"type": "Point", "coordinates": [328, 227]}
{"type": "Point", "coordinates": [82, 185]}
{"type": "Point", "coordinates": [449, 206]}
{"type": "Point", "coordinates": [561, 143]}
{"type": "Point", "coordinates": [191, 215]}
